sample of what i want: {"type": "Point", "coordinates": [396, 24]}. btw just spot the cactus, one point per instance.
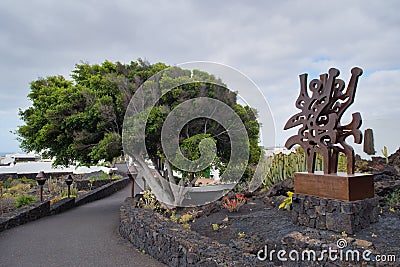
{"type": "Point", "coordinates": [342, 163]}
{"type": "Point", "coordinates": [284, 166]}
{"type": "Point", "coordinates": [385, 154]}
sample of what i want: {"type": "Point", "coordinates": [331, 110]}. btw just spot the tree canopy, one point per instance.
{"type": "Point", "coordinates": [81, 120]}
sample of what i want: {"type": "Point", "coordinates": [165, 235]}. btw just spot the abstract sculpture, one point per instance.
{"type": "Point", "coordinates": [320, 115]}
{"type": "Point", "coordinates": [330, 200]}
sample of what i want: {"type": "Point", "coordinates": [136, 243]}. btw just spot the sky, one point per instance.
{"type": "Point", "coordinates": [271, 42]}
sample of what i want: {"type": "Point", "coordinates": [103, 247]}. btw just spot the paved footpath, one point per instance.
{"type": "Point", "coordinates": [84, 236]}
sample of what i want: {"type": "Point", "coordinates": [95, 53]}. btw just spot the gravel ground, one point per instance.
{"type": "Point", "coordinates": [263, 225]}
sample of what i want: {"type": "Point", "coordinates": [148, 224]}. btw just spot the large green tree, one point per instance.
{"type": "Point", "coordinates": [81, 120]}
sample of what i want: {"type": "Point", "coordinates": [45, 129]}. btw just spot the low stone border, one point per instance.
{"type": "Point", "coordinates": [102, 192]}
{"type": "Point", "coordinates": [172, 244]}
{"type": "Point", "coordinates": [39, 210]}
{"type": "Point", "coordinates": [5, 176]}
{"type": "Point", "coordinates": [24, 215]}
{"type": "Point", "coordinates": [90, 185]}
{"type": "Point", "coordinates": [62, 205]}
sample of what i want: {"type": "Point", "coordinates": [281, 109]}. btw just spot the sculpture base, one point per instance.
{"type": "Point", "coordinates": [340, 186]}
{"type": "Point", "coordinates": [335, 215]}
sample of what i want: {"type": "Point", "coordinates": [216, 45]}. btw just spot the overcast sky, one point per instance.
{"type": "Point", "coordinates": [272, 42]}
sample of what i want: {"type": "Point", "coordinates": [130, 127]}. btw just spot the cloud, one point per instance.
{"type": "Point", "coordinates": [271, 42]}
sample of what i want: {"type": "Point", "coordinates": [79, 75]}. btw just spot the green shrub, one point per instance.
{"type": "Point", "coordinates": [24, 200]}
{"type": "Point", "coordinates": [174, 217]}
{"type": "Point", "coordinates": [54, 185]}
{"type": "Point", "coordinates": [25, 180]}
{"type": "Point", "coordinates": [215, 226]}
{"type": "Point", "coordinates": [105, 176]}
{"type": "Point", "coordinates": [64, 193]}
{"type": "Point", "coordinates": [149, 201]}
{"type": "Point", "coordinates": [185, 218]}
{"type": "Point", "coordinates": [10, 182]}
{"type": "Point", "coordinates": [116, 177]}
{"type": "Point", "coordinates": [19, 189]}
{"type": "Point", "coordinates": [393, 199]}
{"type": "Point", "coordinates": [102, 176]}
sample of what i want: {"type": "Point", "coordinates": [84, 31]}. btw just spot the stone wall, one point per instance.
{"type": "Point", "coordinates": [38, 210]}
{"type": "Point", "coordinates": [89, 185]}
{"type": "Point", "coordinates": [102, 192]}
{"type": "Point", "coordinates": [62, 205]}
{"type": "Point", "coordinates": [172, 244]}
{"type": "Point", "coordinates": [334, 215]}
{"type": "Point", "coordinates": [24, 215]}
{"type": "Point", "coordinates": [5, 176]}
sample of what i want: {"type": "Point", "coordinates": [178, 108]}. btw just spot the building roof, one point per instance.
{"type": "Point", "coordinates": [11, 158]}
{"type": "Point", "coordinates": [35, 167]}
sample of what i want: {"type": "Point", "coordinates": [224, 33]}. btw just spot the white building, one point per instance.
{"type": "Point", "coordinates": [18, 157]}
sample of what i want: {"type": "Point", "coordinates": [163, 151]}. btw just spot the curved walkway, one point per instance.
{"type": "Point", "coordinates": [83, 236]}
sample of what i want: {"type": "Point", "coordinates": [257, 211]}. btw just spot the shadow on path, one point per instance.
{"type": "Point", "coordinates": [84, 236]}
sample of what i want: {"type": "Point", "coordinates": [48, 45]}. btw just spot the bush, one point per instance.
{"type": "Point", "coordinates": [185, 218]}
{"type": "Point", "coordinates": [19, 189]}
{"type": "Point", "coordinates": [102, 176]}
{"type": "Point", "coordinates": [105, 176]}
{"type": "Point", "coordinates": [10, 182]}
{"type": "Point", "coordinates": [149, 201]}
{"type": "Point", "coordinates": [24, 200]}
{"type": "Point", "coordinates": [25, 180]}
{"type": "Point", "coordinates": [116, 177]}
{"type": "Point", "coordinates": [393, 199]}
{"type": "Point", "coordinates": [64, 193]}
{"type": "Point", "coordinates": [54, 185]}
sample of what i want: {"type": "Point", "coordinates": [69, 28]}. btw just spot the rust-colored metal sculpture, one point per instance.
{"type": "Point", "coordinates": [322, 105]}
{"type": "Point", "coordinates": [320, 115]}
